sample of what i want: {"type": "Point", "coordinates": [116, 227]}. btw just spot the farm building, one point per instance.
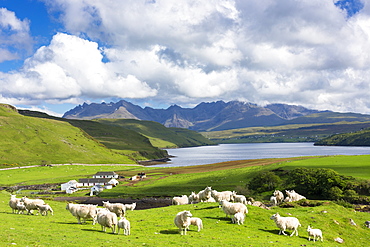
{"type": "Point", "coordinates": [96, 181]}
{"type": "Point", "coordinates": [105, 175]}
{"type": "Point", "coordinates": [71, 183]}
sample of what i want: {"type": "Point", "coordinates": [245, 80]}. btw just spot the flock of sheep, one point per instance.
{"type": "Point", "coordinates": [106, 216]}
{"type": "Point", "coordinates": [236, 206]}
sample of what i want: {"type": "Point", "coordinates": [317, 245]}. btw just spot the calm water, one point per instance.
{"type": "Point", "coordinates": [226, 152]}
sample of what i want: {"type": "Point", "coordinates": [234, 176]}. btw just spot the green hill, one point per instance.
{"type": "Point", "coordinates": [34, 141]}
{"type": "Point", "coordinates": [159, 135]}
{"type": "Point", "coordinates": [358, 138]}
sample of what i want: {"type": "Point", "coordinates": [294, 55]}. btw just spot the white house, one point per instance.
{"type": "Point", "coordinates": [71, 183]}
{"type": "Point", "coordinates": [105, 175]}
{"type": "Point", "coordinates": [96, 181]}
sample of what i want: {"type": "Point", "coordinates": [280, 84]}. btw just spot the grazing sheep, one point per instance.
{"type": "Point", "coordinates": [205, 194]}
{"type": "Point", "coordinates": [285, 223]}
{"type": "Point", "coordinates": [83, 211]}
{"type": "Point", "coordinates": [31, 204]}
{"type": "Point", "coordinates": [279, 196]}
{"type": "Point", "coordinates": [273, 200]}
{"type": "Point", "coordinates": [21, 207]}
{"type": "Point", "coordinates": [223, 195]}
{"type": "Point", "coordinates": [180, 200]}
{"type": "Point", "coordinates": [13, 203]}
{"type": "Point", "coordinates": [182, 221]}
{"type": "Point", "coordinates": [193, 198]}
{"type": "Point", "coordinates": [118, 208]}
{"type": "Point", "coordinates": [367, 224]}
{"type": "Point", "coordinates": [196, 222]}
{"type": "Point", "coordinates": [230, 208]}
{"type": "Point", "coordinates": [238, 218]}
{"type": "Point", "coordinates": [241, 199]}
{"type": "Point", "coordinates": [44, 209]}
{"type": "Point", "coordinates": [125, 225]}
{"type": "Point", "coordinates": [314, 233]}
{"type": "Point", "coordinates": [294, 196]}
{"type": "Point", "coordinates": [131, 206]}
{"type": "Point", "coordinates": [107, 219]}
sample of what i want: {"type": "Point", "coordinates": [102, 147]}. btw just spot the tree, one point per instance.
{"type": "Point", "coordinates": [265, 181]}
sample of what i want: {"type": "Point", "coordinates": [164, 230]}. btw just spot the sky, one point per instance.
{"type": "Point", "coordinates": [57, 54]}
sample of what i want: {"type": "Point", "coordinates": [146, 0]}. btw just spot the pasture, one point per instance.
{"type": "Point", "coordinates": [154, 227]}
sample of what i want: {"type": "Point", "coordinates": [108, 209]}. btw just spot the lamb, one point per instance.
{"type": "Point", "coordinates": [314, 233]}
{"type": "Point", "coordinates": [205, 194]}
{"type": "Point", "coordinates": [31, 204]}
{"type": "Point", "coordinates": [238, 218]}
{"type": "Point", "coordinates": [131, 206]}
{"type": "Point", "coordinates": [239, 198]}
{"type": "Point", "coordinates": [193, 197]}
{"type": "Point", "coordinates": [279, 196]}
{"type": "Point", "coordinates": [273, 200]}
{"type": "Point", "coordinates": [21, 207]}
{"type": "Point", "coordinates": [196, 222]}
{"type": "Point", "coordinates": [13, 203]}
{"type": "Point", "coordinates": [83, 211]}
{"type": "Point", "coordinates": [223, 195]}
{"type": "Point", "coordinates": [182, 221]}
{"type": "Point", "coordinates": [118, 208]}
{"type": "Point", "coordinates": [285, 223]}
{"type": "Point", "coordinates": [180, 200]}
{"type": "Point", "coordinates": [107, 219]}
{"type": "Point", "coordinates": [125, 225]}
{"type": "Point", "coordinates": [44, 209]}
{"type": "Point", "coordinates": [230, 208]}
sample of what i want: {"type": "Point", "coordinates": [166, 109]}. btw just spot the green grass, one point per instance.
{"type": "Point", "coordinates": [154, 227]}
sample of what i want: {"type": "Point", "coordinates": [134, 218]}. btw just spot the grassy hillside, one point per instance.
{"type": "Point", "coordinates": [34, 141]}
{"type": "Point", "coordinates": [358, 138]}
{"type": "Point", "coordinates": [284, 133]}
{"type": "Point", "coordinates": [159, 135]}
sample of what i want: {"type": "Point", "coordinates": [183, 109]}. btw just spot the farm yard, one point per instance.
{"type": "Point", "coordinates": [154, 226]}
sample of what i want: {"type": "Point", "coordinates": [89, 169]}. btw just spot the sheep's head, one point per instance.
{"type": "Point", "coordinates": [275, 216]}
{"type": "Point", "coordinates": [308, 228]}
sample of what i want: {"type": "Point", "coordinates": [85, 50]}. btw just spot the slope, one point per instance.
{"type": "Point", "coordinates": [358, 138]}
{"type": "Point", "coordinates": [34, 141]}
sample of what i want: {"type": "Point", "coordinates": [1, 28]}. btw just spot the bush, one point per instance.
{"type": "Point", "coordinates": [264, 181]}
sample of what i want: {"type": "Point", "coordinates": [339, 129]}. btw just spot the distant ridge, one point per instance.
{"type": "Point", "coordinates": [211, 116]}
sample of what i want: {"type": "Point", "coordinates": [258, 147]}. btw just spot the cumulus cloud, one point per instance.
{"type": "Point", "coordinates": [308, 52]}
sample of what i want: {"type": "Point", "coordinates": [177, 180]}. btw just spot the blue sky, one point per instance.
{"type": "Point", "coordinates": [56, 54]}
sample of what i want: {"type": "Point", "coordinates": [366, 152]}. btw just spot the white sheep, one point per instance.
{"type": "Point", "coordinates": [31, 204]}
{"type": "Point", "coordinates": [205, 194]}
{"type": "Point", "coordinates": [230, 208]}
{"type": "Point", "coordinates": [83, 211]}
{"type": "Point", "coordinates": [196, 222]}
{"type": "Point", "coordinates": [273, 200]}
{"type": "Point", "coordinates": [180, 200]}
{"type": "Point", "coordinates": [131, 206]}
{"type": "Point", "coordinates": [182, 221]}
{"type": "Point", "coordinates": [314, 233]}
{"type": "Point", "coordinates": [21, 207]}
{"type": "Point", "coordinates": [107, 219]}
{"type": "Point", "coordinates": [193, 197]}
{"type": "Point", "coordinates": [238, 218]}
{"type": "Point", "coordinates": [279, 196]}
{"type": "Point", "coordinates": [294, 196]}
{"type": "Point", "coordinates": [125, 225]}
{"type": "Point", "coordinates": [223, 195]}
{"type": "Point", "coordinates": [13, 203]}
{"type": "Point", "coordinates": [284, 223]}
{"type": "Point", "coordinates": [239, 198]}
{"type": "Point", "coordinates": [44, 209]}
{"type": "Point", "coordinates": [118, 208]}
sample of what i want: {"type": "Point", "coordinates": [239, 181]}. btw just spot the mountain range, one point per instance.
{"type": "Point", "coordinates": [213, 116]}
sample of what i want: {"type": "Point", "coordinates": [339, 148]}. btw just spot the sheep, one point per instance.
{"type": "Point", "coordinates": [205, 194]}
{"type": "Point", "coordinates": [182, 221]}
{"type": "Point", "coordinates": [196, 222]}
{"type": "Point", "coordinates": [238, 218]}
{"type": "Point", "coordinates": [125, 225]}
{"type": "Point", "coordinates": [118, 208]}
{"type": "Point", "coordinates": [230, 208]}
{"type": "Point", "coordinates": [223, 195]}
{"type": "Point", "coordinates": [239, 198]}
{"type": "Point", "coordinates": [180, 200]}
{"type": "Point", "coordinates": [367, 224]}
{"type": "Point", "coordinates": [273, 200]}
{"type": "Point", "coordinates": [31, 204]}
{"type": "Point", "coordinates": [107, 219]}
{"type": "Point", "coordinates": [131, 206]}
{"type": "Point", "coordinates": [21, 207]}
{"type": "Point", "coordinates": [279, 196]}
{"type": "Point", "coordinates": [294, 196]}
{"type": "Point", "coordinates": [285, 223]}
{"type": "Point", "coordinates": [193, 197]}
{"type": "Point", "coordinates": [83, 211]}
{"type": "Point", "coordinates": [13, 203]}
{"type": "Point", "coordinates": [44, 209]}
{"type": "Point", "coordinates": [314, 233]}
